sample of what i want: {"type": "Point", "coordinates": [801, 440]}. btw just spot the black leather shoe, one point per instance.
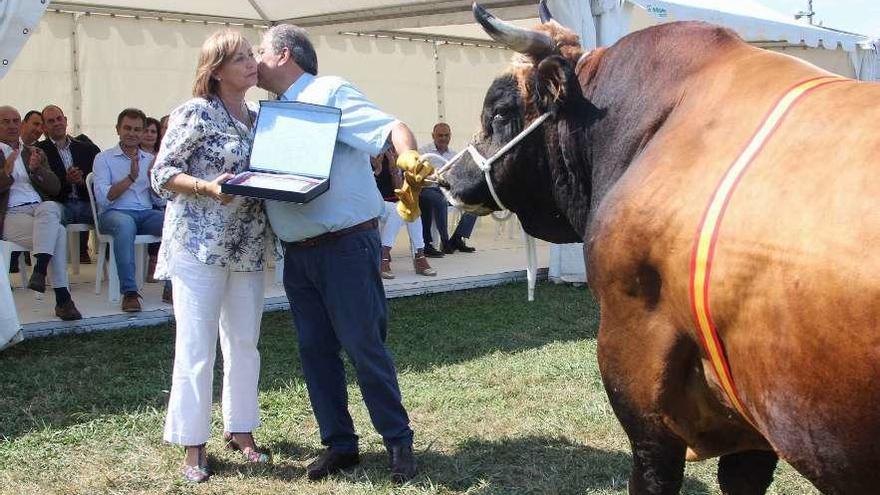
{"type": "Point", "coordinates": [13, 261]}
{"type": "Point", "coordinates": [430, 252]}
{"type": "Point", "coordinates": [458, 243]}
{"type": "Point", "coordinates": [331, 462]}
{"type": "Point", "coordinates": [37, 282]}
{"type": "Point", "coordinates": [403, 463]}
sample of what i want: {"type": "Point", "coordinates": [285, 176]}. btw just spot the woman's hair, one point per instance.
{"type": "Point", "coordinates": [216, 51]}
{"type": "Point", "coordinates": [151, 121]}
{"type": "Point", "coordinates": [163, 128]}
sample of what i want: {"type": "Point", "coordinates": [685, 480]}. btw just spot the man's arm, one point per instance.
{"type": "Point", "coordinates": [55, 164]}
{"type": "Point", "coordinates": [101, 185]}
{"type": "Point", "coordinates": [415, 170]}
{"type": "Point", "coordinates": [402, 138]}
{"type": "Point", "coordinates": [44, 180]}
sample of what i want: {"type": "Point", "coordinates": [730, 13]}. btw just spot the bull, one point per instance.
{"type": "Point", "coordinates": [726, 196]}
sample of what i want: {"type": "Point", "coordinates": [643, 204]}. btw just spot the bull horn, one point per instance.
{"type": "Point", "coordinates": [544, 12]}
{"type": "Point", "coordinates": [521, 40]}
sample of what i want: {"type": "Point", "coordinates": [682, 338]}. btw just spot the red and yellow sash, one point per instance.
{"type": "Point", "coordinates": [707, 236]}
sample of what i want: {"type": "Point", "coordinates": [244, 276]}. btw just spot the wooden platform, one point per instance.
{"type": "Point", "coordinates": [500, 258]}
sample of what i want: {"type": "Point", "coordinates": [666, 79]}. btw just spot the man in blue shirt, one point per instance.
{"type": "Point", "coordinates": [332, 256]}
{"type": "Point", "coordinates": [122, 195]}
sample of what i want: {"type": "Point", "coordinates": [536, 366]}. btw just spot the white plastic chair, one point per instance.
{"type": "Point", "coordinates": [105, 246]}
{"type": "Point", "coordinates": [8, 247]}
{"type": "Point", "coordinates": [73, 231]}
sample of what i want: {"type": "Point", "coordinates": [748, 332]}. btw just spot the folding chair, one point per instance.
{"type": "Point", "coordinates": [105, 247]}
{"type": "Point", "coordinates": [73, 231]}
{"type": "Point", "coordinates": [8, 247]}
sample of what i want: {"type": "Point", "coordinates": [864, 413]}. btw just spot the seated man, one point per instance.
{"type": "Point", "coordinates": [433, 203]}
{"type": "Point", "coordinates": [71, 159]}
{"type": "Point", "coordinates": [27, 218]}
{"type": "Point", "coordinates": [122, 194]}
{"type": "Point", "coordinates": [31, 130]}
{"type": "Point", "coordinates": [389, 178]}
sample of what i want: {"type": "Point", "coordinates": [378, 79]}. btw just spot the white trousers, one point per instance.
{"type": "Point", "coordinates": [208, 299]}
{"type": "Point", "coordinates": [391, 224]}
{"type": "Point", "coordinates": [38, 228]}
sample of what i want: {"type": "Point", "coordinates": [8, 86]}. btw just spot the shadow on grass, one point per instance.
{"type": "Point", "coordinates": [442, 329]}
{"type": "Point", "coordinates": [56, 382]}
{"type": "Point", "coordinates": [513, 466]}
{"type": "Point", "coordinates": [286, 471]}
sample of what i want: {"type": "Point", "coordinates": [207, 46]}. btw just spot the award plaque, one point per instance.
{"type": "Point", "coordinates": [292, 152]}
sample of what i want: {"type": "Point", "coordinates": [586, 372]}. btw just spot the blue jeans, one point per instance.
{"type": "Point", "coordinates": [433, 205]}
{"type": "Point", "coordinates": [123, 226]}
{"type": "Point", "coordinates": [338, 303]}
{"type": "Point", "coordinates": [78, 212]}
{"type": "Point", "coordinates": [465, 226]}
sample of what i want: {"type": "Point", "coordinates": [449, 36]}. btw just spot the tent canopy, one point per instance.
{"type": "Point", "coordinates": [340, 14]}
{"type": "Point", "coordinates": [753, 20]}
{"type": "Point", "coordinates": [94, 57]}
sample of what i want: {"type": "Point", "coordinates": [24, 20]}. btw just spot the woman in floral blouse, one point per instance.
{"type": "Point", "coordinates": [212, 250]}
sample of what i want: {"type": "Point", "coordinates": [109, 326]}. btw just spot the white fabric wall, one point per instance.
{"type": "Point", "coordinates": [465, 76]}
{"type": "Point", "coordinates": [150, 64]}
{"type": "Point", "coordinates": [145, 64]}
{"type": "Point", "coordinates": [43, 71]}
{"type": "Point", "coordinates": [836, 61]}
{"type": "Point", "coordinates": [396, 75]}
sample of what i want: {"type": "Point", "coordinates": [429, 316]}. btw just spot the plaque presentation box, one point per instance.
{"type": "Point", "coordinates": [292, 152]}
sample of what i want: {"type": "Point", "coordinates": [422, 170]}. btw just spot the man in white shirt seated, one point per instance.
{"type": "Point", "coordinates": [26, 218]}
{"type": "Point", "coordinates": [122, 195]}
{"type": "Point", "coordinates": [434, 206]}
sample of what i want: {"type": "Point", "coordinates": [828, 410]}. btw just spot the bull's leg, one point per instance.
{"type": "Point", "coordinates": [658, 465]}
{"type": "Point", "coordinates": [746, 473]}
{"type": "Point", "coordinates": [636, 361]}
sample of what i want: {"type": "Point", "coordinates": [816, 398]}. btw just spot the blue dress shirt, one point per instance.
{"type": "Point", "coordinates": [353, 197]}
{"type": "Point", "coordinates": [110, 167]}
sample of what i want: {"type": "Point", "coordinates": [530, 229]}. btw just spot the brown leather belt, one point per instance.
{"type": "Point", "coordinates": [372, 224]}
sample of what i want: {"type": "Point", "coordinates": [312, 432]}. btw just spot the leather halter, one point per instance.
{"type": "Point", "coordinates": [485, 164]}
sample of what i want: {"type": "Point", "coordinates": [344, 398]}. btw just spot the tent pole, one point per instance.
{"type": "Point", "coordinates": [76, 78]}
{"type": "Point", "coordinates": [438, 86]}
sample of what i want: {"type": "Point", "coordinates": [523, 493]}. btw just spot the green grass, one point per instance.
{"type": "Point", "coordinates": [504, 397]}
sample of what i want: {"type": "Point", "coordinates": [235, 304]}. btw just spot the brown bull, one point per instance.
{"type": "Point", "coordinates": [639, 137]}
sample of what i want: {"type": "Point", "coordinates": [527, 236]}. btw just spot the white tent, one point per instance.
{"type": "Point", "coordinates": [95, 57]}
{"type": "Point", "coordinates": [94, 60]}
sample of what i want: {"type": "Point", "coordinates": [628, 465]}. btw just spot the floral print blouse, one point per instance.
{"type": "Point", "coordinates": [204, 141]}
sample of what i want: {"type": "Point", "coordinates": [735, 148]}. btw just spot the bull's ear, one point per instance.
{"type": "Point", "coordinates": [555, 83]}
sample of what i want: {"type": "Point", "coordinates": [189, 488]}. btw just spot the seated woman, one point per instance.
{"type": "Point", "coordinates": [389, 178]}
{"type": "Point", "coordinates": [150, 141]}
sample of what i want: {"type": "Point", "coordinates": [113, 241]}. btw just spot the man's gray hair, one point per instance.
{"type": "Point", "coordinates": [295, 39]}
